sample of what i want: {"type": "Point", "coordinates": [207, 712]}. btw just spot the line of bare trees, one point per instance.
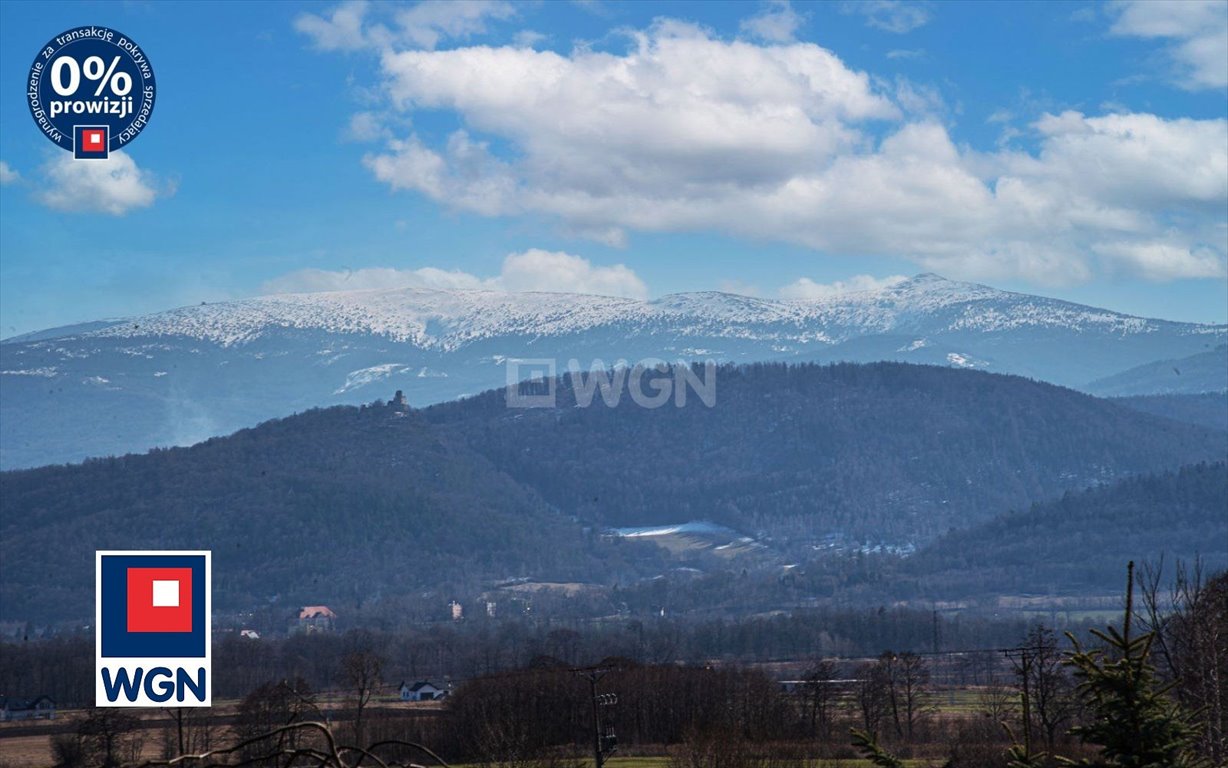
{"type": "Point", "coordinates": [542, 711]}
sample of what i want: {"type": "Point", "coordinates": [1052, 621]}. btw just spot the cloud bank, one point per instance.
{"type": "Point", "coordinates": [782, 141]}
{"type": "Point", "coordinates": [531, 270]}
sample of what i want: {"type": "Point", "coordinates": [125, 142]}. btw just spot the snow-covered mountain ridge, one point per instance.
{"type": "Point", "coordinates": [180, 376]}
{"type": "Point", "coordinates": [448, 320]}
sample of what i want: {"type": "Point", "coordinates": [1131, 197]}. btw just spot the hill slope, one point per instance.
{"type": "Point", "coordinates": [1205, 371]}
{"type": "Point", "coordinates": [177, 377]}
{"type": "Point", "coordinates": [343, 503]}
{"type": "Point", "coordinates": [366, 503]}
{"type": "Point", "coordinates": [1209, 409]}
{"type": "Point", "coordinates": [1079, 543]}
{"type": "Point", "coordinates": [796, 454]}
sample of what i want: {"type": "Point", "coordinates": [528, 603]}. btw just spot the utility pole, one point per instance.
{"type": "Point", "coordinates": [936, 641]}
{"type": "Point", "coordinates": [946, 668]}
{"type": "Point", "coordinates": [1024, 667]}
{"type": "Point", "coordinates": [604, 740]}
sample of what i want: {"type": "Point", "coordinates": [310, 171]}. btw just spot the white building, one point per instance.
{"type": "Point", "coordinates": [422, 691]}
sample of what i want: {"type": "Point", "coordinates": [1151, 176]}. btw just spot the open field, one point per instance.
{"type": "Point", "coordinates": [27, 744]}
{"type": "Point", "coordinates": [35, 752]}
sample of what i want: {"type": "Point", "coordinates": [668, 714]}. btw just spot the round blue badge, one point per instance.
{"type": "Point", "coordinates": [91, 91]}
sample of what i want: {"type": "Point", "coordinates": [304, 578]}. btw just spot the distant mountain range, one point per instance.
{"type": "Point", "coordinates": [790, 464]}
{"type": "Point", "coordinates": [177, 377]}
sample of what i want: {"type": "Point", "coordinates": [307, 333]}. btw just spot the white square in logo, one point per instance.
{"type": "Point", "coordinates": [165, 594]}
{"type": "Point", "coordinates": [541, 375]}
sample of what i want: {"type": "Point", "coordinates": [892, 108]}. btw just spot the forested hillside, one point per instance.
{"type": "Point", "coordinates": [339, 504]}
{"type": "Point", "coordinates": [1205, 371]}
{"type": "Point", "coordinates": [883, 451]}
{"type": "Point", "coordinates": [1077, 543]}
{"type": "Point", "coordinates": [367, 504]}
{"type": "Point", "coordinates": [1209, 409]}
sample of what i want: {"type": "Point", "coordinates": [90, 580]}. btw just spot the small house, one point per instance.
{"type": "Point", "coordinates": [40, 708]}
{"type": "Point", "coordinates": [316, 618]}
{"type": "Point", "coordinates": [422, 691]}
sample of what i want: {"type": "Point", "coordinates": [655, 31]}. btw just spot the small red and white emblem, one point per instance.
{"type": "Point", "coordinates": [92, 142]}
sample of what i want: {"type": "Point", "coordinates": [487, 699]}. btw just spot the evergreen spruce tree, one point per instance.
{"type": "Point", "coordinates": [1133, 721]}
{"type": "Point", "coordinates": [867, 744]}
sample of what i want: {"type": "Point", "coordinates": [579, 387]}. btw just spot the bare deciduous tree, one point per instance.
{"type": "Point", "coordinates": [112, 737]}
{"type": "Point", "coordinates": [1045, 683]}
{"type": "Point", "coordinates": [193, 732]}
{"type": "Point", "coordinates": [913, 691]}
{"type": "Point", "coordinates": [821, 697]}
{"type": "Point", "coordinates": [1190, 623]}
{"type": "Point", "coordinates": [360, 673]}
{"type": "Point", "coordinates": [871, 696]}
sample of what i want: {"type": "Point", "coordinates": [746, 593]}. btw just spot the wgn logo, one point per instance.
{"type": "Point", "coordinates": [537, 389]}
{"type": "Point", "coordinates": [153, 635]}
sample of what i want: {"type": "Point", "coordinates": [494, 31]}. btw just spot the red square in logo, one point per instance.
{"type": "Point", "coordinates": [159, 599]}
{"type": "Point", "coordinates": [90, 142]}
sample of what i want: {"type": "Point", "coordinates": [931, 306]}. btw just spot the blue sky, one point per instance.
{"type": "Point", "coordinates": [1071, 149]}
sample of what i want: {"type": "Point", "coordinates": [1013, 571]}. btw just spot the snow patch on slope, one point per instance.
{"type": "Point", "coordinates": [365, 376]}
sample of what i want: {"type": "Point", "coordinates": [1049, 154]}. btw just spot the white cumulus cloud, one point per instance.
{"type": "Point", "coordinates": [114, 186]}
{"type": "Point", "coordinates": [371, 278]}
{"type": "Point", "coordinates": [776, 23]}
{"type": "Point", "coordinates": [610, 142]}
{"type": "Point", "coordinates": [894, 16]}
{"type": "Point", "coordinates": [685, 131]}
{"type": "Point", "coordinates": [1196, 31]}
{"type": "Point", "coordinates": [538, 270]}
{"type": "Point", "coordinates": [365, 127]}
{"type": "Point", "coordinates": [808, 290]}
{"type": "Point", "coordinates": [357, 24]}
{"type": "Point", "coordinates": [340, 30]}
{"type": "Point", "coordinates": [430, 21]}
{"type": "Point", "coordinates": [531, 270]}
{"type": "Point", "coordinates": [7, 174]}
{"type": "Point", "coordinates": [1162, 261]}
